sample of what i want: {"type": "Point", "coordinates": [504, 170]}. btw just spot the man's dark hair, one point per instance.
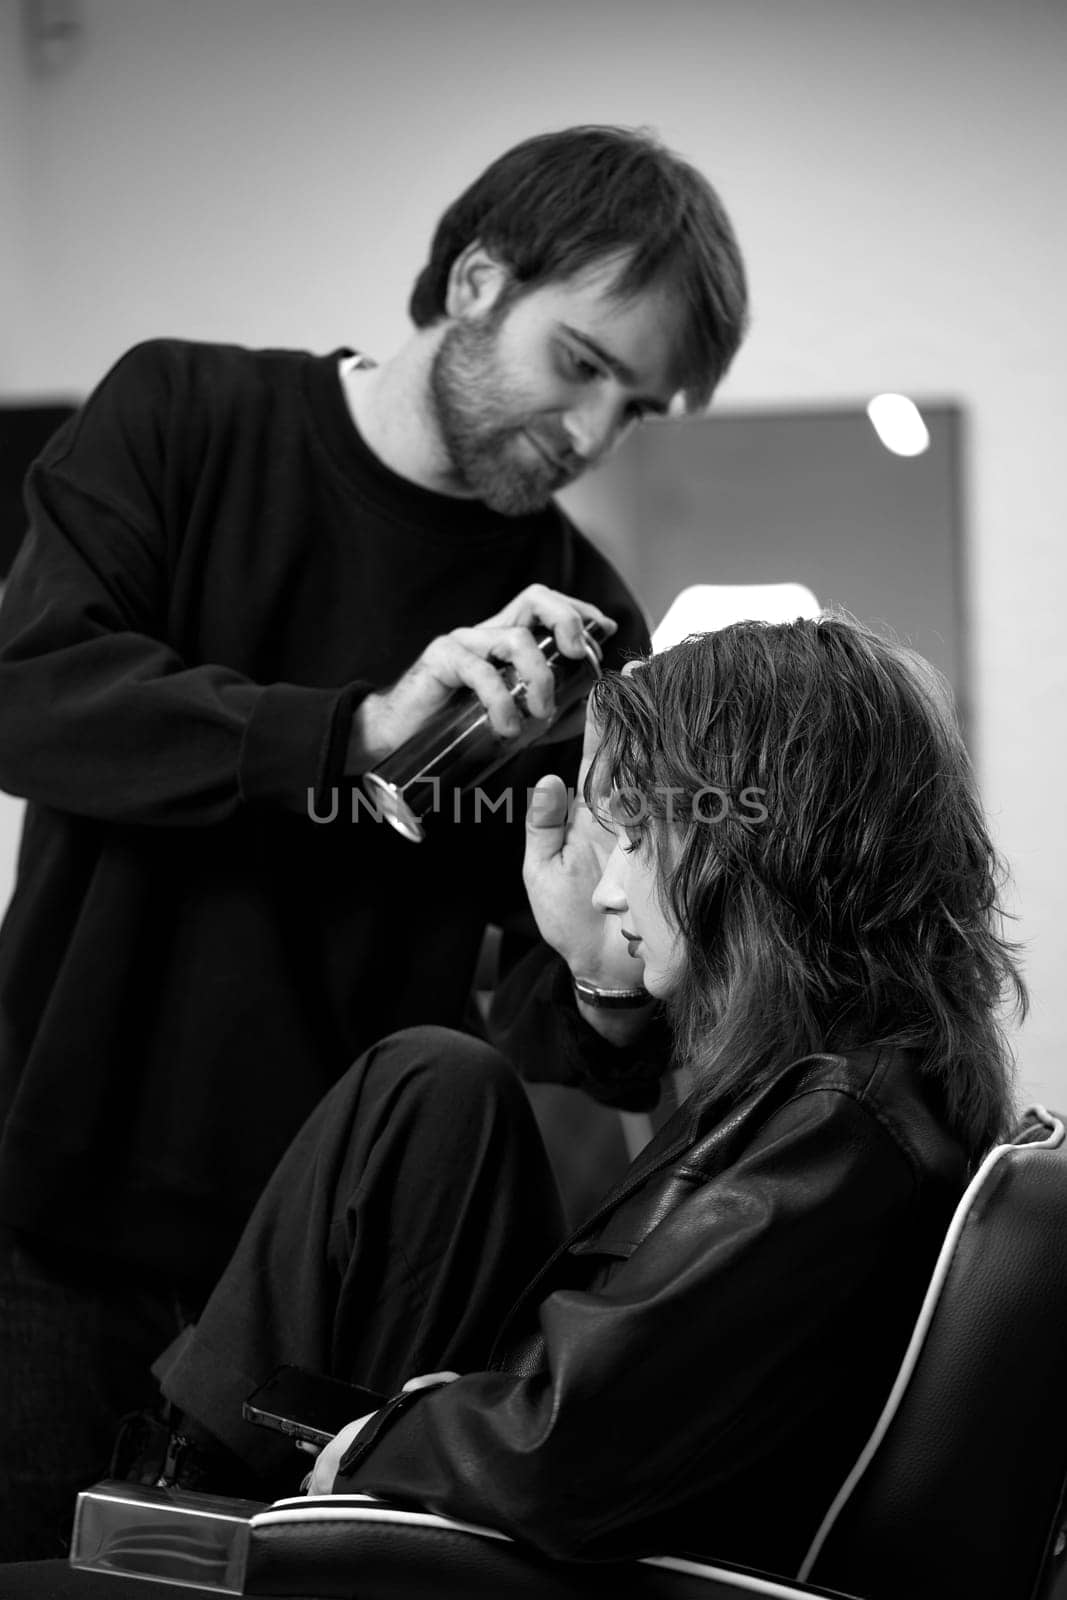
{"type": "Point", "coordinates": [561, 202]}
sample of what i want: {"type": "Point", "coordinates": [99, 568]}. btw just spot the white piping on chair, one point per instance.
{"type": "Point", "coordinates": [750, 1582]}
{"type": "Point", "coordinates": [339, 1508]}
{"type": "Point", "coordinates": [364, 1508]}
{"type": "Point", "coordinates": [922, 1325]}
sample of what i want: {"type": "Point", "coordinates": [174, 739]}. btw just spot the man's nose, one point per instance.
{"type": "Point", "coordinates": [594, 428]}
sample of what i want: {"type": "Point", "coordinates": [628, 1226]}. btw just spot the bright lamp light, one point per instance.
{"type": "Point", "coordinates": [898, 423]}
{"type": "Point", "coordinates": [703, 607]}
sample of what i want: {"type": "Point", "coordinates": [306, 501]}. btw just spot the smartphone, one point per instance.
{"type": "Point", "coordinates": [307, 1406]}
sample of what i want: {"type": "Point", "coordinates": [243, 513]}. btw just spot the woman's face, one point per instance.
{"type": "Point", "coordinates": [629, 890]}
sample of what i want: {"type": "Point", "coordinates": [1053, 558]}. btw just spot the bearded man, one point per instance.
{"type": "Point", "coordinates": [248, 576]}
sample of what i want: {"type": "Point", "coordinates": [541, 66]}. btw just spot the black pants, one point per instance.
{"type": "Point", "coordinates": [392, 1239]}
{"type": "Point", "coordinates": [77, 1339]}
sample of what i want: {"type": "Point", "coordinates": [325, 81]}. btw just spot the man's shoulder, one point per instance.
{"type": "Point", "coordinates": [188, 390]}
{"type": "Point", "coordinates": [174, 396]}
{"type": "Point", "coordinates": [192, 361]}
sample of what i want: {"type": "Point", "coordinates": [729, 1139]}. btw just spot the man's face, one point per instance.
{"type": "Point", "coordinates": [531, 390]}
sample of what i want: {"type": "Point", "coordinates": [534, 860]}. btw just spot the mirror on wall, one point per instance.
{"type": "Point", "coordinates": [807, 496]}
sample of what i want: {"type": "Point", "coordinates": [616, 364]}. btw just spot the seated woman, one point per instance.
{"type": "Point", "coordinates": [784, 843]}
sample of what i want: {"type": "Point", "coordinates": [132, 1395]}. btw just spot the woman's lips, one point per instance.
{"type": "Point", "coordinates": [632, 940]}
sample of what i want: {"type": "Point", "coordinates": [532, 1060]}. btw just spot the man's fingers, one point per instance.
{"type": "Point", "coordinates": [468, 658]}
{"type": "Point", "coordinates": [460, 660]}
{"type": "Point", "coordinates": [516, 647]}
{"type": "Point", "coordinates": [565, 614]}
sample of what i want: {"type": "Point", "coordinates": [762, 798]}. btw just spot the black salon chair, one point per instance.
{"type": "Point", "coordinates": [958, 1495]}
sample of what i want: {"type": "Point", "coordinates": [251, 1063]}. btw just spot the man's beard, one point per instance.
{"type": "Point", "coordinates": [490, 458]}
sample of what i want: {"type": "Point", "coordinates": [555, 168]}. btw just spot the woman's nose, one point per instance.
{"type": "Point", "coordinates": [609, 895]}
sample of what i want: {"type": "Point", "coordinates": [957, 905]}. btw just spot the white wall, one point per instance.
{"type": "Point", "coordinates": [15, 319]}
{"type": "Point", "coordinates": [14, 199]}
{"type": "Point", "coordinates": [267, 171]}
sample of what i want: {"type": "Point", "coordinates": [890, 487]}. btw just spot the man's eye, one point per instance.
{"type": "Point", "coordinates": [581, 368]}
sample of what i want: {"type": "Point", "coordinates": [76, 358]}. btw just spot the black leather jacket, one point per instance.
{"type": "Point", "coordinates": [696, 1368]}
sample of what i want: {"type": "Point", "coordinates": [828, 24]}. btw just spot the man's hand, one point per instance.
{"type": "Point", "coordinates": [465, 658]}
{"type": "Point", "coordinates": [565, 615]}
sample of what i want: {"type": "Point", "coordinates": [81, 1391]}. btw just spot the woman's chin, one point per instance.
{"type": "Point", "coordinates": [660, 983]}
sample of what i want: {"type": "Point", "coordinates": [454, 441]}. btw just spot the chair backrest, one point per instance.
{"type": "Point", "coordinates": [959, 1493]}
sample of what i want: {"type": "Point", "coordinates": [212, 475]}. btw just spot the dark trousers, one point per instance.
{"type": "Point", "coordinates": [393, 1238]}
{"type": "Point", "coordinates": [77, 1338]}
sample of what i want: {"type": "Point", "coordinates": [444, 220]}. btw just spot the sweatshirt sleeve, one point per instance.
{"type": "Point", "coordinates": [100, 715]}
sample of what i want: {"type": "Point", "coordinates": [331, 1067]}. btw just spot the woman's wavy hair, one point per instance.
{"type": "Point", "coordinates": [820, 842]}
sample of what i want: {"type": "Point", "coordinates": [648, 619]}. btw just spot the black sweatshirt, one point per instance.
{"type": "Point", "coordinates": [216, 570]}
